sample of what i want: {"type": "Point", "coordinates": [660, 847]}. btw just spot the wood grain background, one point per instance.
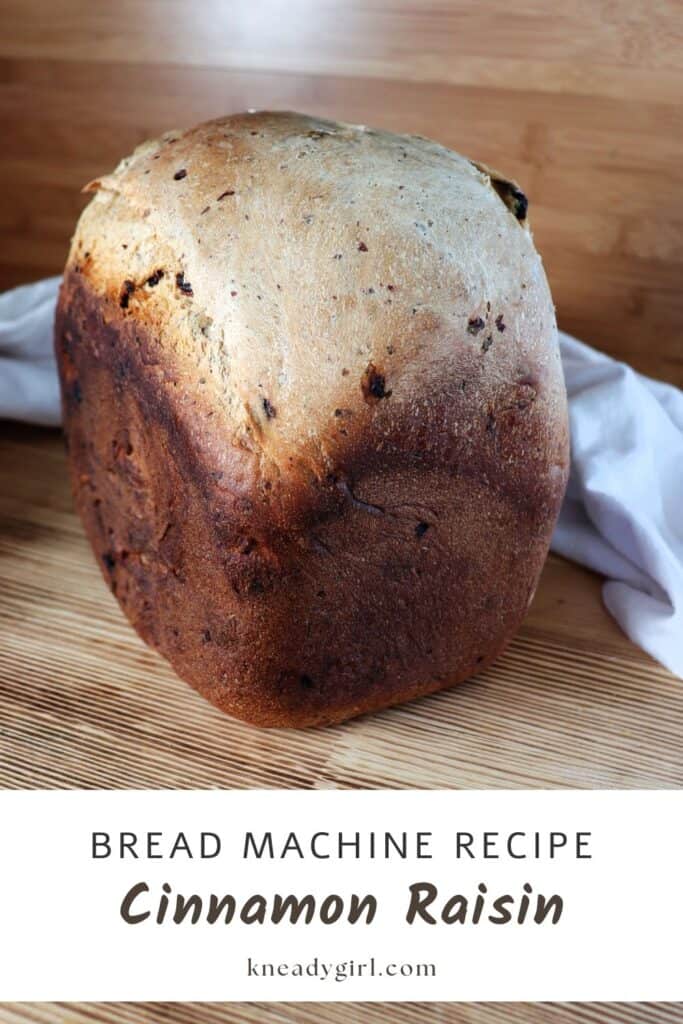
{"type": "Point", "coordinates": [581, 102]}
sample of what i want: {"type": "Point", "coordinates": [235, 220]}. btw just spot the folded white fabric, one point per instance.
{"type": "Point", "coordinates": [28, 376]}
{"type": "Point", "coordinates": [623, 514]}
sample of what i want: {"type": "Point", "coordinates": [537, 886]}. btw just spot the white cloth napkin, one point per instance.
{"type": "Point", "coordinates": [29, 389]}
{"type": "Point", "coordinates": [623, 514]}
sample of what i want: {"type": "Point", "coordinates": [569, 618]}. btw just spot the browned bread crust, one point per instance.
{"type": "Point", "coordinates": [315, 411]}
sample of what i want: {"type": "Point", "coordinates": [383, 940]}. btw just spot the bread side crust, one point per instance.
{"type": "Point", "coordinates": [401, 574]}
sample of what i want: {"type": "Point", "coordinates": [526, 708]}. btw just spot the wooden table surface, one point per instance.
{"type": "Point", "coordinates": [580, 102]}
{"type": "Point", "coordinates": [342, 1013]}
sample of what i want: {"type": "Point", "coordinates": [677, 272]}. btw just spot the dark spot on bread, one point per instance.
{"type": "Point", "coordinates": [524, 393]}
{"type": "Point", "coordinates": [269, 409]}
{"type": "Point", "coordinates": [421, 529]}
{"type": "Point", "coordinates": [127, 289]}
{"type": "Point", "coordinates": [480, 658]}
{"type": "Point", "coordinates": [306, 682]}
{"type": "Point", "coordinates": [486, 343]}
{"type": "Point", "coordinates": [228, 192]}
{"type": "Point", "coordinates": [108, 561]}
{"type": "Point", "coordinates": [205, 210]}
{"type": "Point", "coordinates": [226, 634]}
{"type": "Point", "coordinates": [153, 279]}
{"type": "Point", "coordinates": [513, 197]}
{"type": "Point", "coordinates": [499, 322]}
{"type": "Point", "coordinates": [184, 286]}
{"type": "Point", "coordinates": [374, 384]}
{"type": "Point", "coordinates": [511, 194]}
{"type": "Point", "coordinates": [362, 247]}
{"type": "Point", "coordinates": [75, 393]}
{"type": "Point", "coordinates": [526, 400]}
{"type": "Point", "coordinates": [520, 203]}
{"type": "Point", "coordinates": [179, 175]}
{"type": "Point", "coordinates": [475, 324]}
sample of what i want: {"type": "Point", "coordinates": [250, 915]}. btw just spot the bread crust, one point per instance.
{"type": "Point", "coordinates": [334, 489]}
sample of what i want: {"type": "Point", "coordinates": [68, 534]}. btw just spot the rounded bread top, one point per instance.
{"type": "Point", "coordinates": [298, 273]}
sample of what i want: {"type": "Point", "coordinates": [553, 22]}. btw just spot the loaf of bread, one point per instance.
{"type": "Point", "coordinates": [315, 410]}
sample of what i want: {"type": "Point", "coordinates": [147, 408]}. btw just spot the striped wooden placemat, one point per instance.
{"type": "Point", "coordinates": [341, 1013]}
